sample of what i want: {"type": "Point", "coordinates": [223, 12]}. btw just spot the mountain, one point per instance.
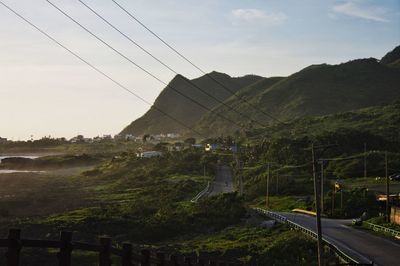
{"type": "Point", "coordinates": [183, 109]}
{"type": "Point", "coordinates": [313, 91]}
{"type": "Point", "coordinates": [316, 90]}
{"type": "Point", "coordinates": [380, 120]}
{"type": "Point", "coordinates": [392, 58]}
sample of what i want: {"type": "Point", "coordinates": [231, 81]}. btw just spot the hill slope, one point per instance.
{"type": "Point", "coordinates": [315, 90]}
{"type": "Point", "coordinates": [181, 108]}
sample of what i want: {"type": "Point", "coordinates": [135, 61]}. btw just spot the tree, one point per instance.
{"type": "Point", "coordinates": [190, 141]}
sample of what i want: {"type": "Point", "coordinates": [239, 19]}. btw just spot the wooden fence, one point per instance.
{"type": "Point", "coordinates": [14, 243]}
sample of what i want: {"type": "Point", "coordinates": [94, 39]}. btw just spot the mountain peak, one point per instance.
{"type": "Point", "coordinates": [392, 57]}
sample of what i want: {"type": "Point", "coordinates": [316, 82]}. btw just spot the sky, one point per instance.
{"type": "Point", "coordinates": [44, 91]}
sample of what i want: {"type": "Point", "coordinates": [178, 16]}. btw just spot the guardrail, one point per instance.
{"type": "Point", "coordinates": [342, 255]}
{"type": "Point", "coordinates": [379, 228]}
{"type": "Point", "coordinates": [105, 251]}
{"type": "Point", "coordinates": [202, 193]}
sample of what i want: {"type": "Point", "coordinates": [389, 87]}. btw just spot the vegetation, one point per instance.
{"type": "Point", "coordinates": [255, 245]}
{"type": "Point", "coordinates": [183, 109]}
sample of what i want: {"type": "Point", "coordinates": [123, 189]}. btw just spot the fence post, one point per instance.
{"type": "Point", "coordinates": [127, 254]}
{"type": "Point", "coordinates": [145, 257]}
{"type": "Point", "coordinates": [14, 247]}
{"type": "Point", "coordinates": [64, 255]}
{"type": "Point", "coordinates": [161, 258]}
{"type": "Point", "coordinates": [188, 261]}
{"type": "Point", "coordinates": [104, 255]}
{"type": "Point", "coordinates": [200, 261]}
{"type": "Point", "coordinates": [212, 263]}
{"type": "Point", "coordinates": [174, 260]}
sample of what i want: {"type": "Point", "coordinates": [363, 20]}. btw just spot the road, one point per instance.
{"type": "Point", "coordinates": [361, 245]}
{"type": "Point", "coordinates": [223, 181]}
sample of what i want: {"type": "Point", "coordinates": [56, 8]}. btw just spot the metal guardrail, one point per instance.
{"type": "Point", "coordinates": [202, 193]}
{"type": "Point", "coordinates": [342, 255]}
{"type": "Point", "coordinates": [379, 228]}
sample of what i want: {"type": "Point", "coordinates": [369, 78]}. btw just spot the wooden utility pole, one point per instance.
{"type": "Point", "coordinates": [341, 202]}
{"type": "Point", "coordinates": [277, 183]}
{"type": "Point", "coordinates": [317, 209]}
{"type": "Point", "coordinates": [322, 186]}
{"type": "Point", "coordinates": [267, 196]}
{"type": "Point", "coordinates": [387, 189]}
{"type": "Point", "coordinates": [365, 159]}
{"type": "Point", "coordinates": [333, 200]}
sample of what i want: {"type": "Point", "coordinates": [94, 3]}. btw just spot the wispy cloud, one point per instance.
{"type": "Point", "coordinates": [355, 9]}
{"type": "Point", "coordinates": [258, 15]}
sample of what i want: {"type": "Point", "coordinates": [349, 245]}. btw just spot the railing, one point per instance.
{"type": "Point", "coordinates": [105, 251]}
{"type": "Point", "coordinates": [379, 228]}
{"type": "Point", "coordinates": [342, 255]}
{"type": "Point", "coordinates": [202, 193]}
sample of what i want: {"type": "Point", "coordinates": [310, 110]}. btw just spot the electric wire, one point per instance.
{"type": "Point", "coordinates": [100, 71]}
{"type": "Point", "coordinates": [166, 65]}
{"type": "Point", "coordinates": [196, 66]}
{"type": "Point", "coordinates": [142, 68]}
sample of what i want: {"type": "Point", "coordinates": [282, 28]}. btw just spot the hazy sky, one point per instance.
{"type": "Point", "coordinates": [46, 91]}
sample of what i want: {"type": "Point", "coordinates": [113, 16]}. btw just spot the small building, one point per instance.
{"type": "Point", "coordinates": [395, 215]}
{"type": "Point", "coordinates": [173, 135]}
{"type": "Point", "coordinates": [3, 140]}
{"type": "Point", "coordinates": [150, 154]}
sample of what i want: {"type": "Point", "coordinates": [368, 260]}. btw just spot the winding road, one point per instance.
{"type": "Point", "coordinates": [359, 244]}
{"type": "Point", "coordinates": [223, 181]}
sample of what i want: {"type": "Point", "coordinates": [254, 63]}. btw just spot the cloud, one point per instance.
{"type": "Point", "coordinates": [353, 9]}
{"type": "Point", "coordinates": [257, 15]}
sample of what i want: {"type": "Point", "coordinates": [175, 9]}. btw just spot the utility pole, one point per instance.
{"type": "Point", "coordinates": [387, 190]}
{"type": "Point", "coordinates": [317, 208]}
{"type": "Point", "coordinates": [365, 159]}
{"type": "Point", "coordinates": [322, 186]}
{"type": "Point", "coordinates": [333, 199]}
{"type": "Point", "coordinates": [277, 183]}
{"type": "Point", "coordinates": [341, 202]}
{"type": "Point", "coordinates": [267, 196]}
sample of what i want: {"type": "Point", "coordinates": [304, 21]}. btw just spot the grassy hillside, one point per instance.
{"type": "Point", "coordinates": [181, 108]}
{"type": "Point", "coordinates": [314, 91]}
{"type": "Point", "coordinates": [381, 120]}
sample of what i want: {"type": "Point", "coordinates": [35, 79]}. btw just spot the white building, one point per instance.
{"type": "Point", "coordinates": [150, 154]}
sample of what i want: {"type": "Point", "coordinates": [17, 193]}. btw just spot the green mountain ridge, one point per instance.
{"type": "Point", "coordinates": [316, 90]}
{"type": "Point", "coordinates": [183, 109]}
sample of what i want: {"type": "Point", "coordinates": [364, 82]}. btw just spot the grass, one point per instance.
{"type": "Point", "coordinates": [282, 203]}
{"type": "Point", "coordinates": [372, 184]}
{"type": "Point", "coordinates": [255, 245]}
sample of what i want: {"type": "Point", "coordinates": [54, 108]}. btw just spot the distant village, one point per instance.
{"type": "Point", "coordinates": [128, 137]}
{"type": "Point", "coordinates": [170, 142]}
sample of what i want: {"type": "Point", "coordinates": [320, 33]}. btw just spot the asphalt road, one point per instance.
{"type": "Point", "coordinates": [223, 181]}
{"type": "Point", "coordinates": [359, 244]}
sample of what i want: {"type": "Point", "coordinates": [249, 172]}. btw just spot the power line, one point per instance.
{"type": "Point", "coordinates": [195, 66]}
{"type": "Point", "coordinates": [140, 67]}
{"type": "Point", "coordinates": [99, 71]}
{"type": "Point", "coordinates": [165, 65]}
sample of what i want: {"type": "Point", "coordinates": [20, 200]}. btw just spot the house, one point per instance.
{"type": "Point", "coordinates": [198, 146]}
{"type": "Point", "coordinates": [3, 140]}
{"type": "Point", "coordinates": [150, 154]}
{"type": "Point", "coordinates": [173, 135]}
{"type": "Point", "coordinates": [395, 215]}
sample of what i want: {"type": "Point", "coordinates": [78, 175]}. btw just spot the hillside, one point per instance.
{"type": "Point", "coordinates": [381, 120]}
{"type": "Point", "coordinates": [392, 58]}
{"type": "Point", "coordinates": [181, 108]}
{"type": "Point", "coordinates": [313, 91]}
